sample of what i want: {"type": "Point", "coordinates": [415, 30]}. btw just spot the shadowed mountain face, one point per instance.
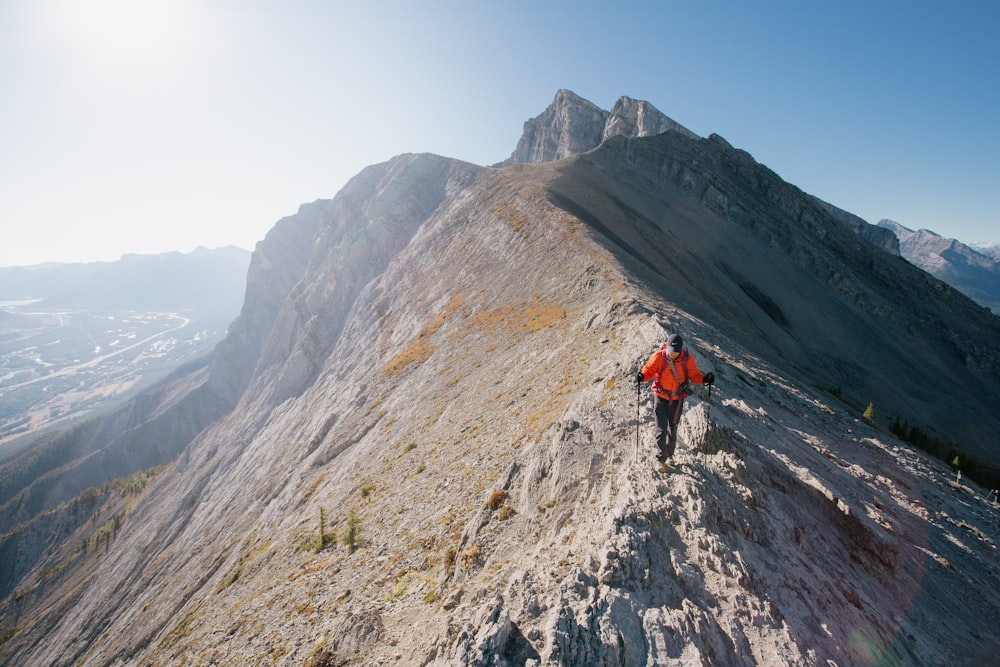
{"type": "Point", "coordinates": [444, 353]}
{"type": "Point", "coordinates": [732, 243]}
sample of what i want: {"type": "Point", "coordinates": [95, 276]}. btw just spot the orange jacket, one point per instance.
{"type": "Point", "coordinates": [660, 370]}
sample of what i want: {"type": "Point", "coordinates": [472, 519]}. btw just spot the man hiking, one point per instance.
{"type": "Point", "coordinates": [671, 369]}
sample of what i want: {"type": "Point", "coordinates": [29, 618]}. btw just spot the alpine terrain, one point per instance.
{"type": "Point", "coordinates": [969, 269]}
{"type": "Point", "coordinates": [421, 442]}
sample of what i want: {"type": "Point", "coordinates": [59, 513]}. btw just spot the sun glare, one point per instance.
{"type": "Point", "coordinates": [123, 34]}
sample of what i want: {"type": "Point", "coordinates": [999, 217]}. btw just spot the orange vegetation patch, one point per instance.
{"type": "Point", "coordinates": [523, 317]}
{"type": "Point", "coordinates": [511, 215]}
{"type": "Point", "coordinates": [421, 348]}
{"type": "Point", "coordinates": [418, 352]}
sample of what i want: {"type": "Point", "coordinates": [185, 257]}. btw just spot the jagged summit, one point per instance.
{"type": "Point", "coordinates": [573, 125]}
{"type": "Point", "coordinates": [638, 118]}
{"type": "Point", "coordinates": [444, 352]}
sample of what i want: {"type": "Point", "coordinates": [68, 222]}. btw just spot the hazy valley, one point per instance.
{"type": "Point", "coordinates": [60, 366]}
{"type": "Point", "coordinates": [72, 343]}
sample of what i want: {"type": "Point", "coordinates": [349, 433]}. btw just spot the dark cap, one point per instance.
{"type": "Point", "coordinates": [675, 342]}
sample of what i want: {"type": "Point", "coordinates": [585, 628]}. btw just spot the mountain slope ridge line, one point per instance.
{"type": "Point", "coordinates": [493, 351]}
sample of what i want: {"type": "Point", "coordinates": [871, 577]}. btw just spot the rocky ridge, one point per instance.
{"type": "Point", "coordinates": [452, 369]}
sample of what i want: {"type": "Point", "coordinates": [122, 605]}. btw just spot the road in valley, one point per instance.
{"type": "Point", "coordinates": [73, 369]}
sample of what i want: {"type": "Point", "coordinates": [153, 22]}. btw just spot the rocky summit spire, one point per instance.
{"type": "Point", "coordinates": [572, 125]}
{"type": "Point", "coordinates": [638, 118]}
{"type": "Point", "coordinates": [569, 125]}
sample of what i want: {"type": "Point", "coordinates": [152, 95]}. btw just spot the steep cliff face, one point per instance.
{"type": "Point", "coordinates": [278, 264]}
{"type": "Point", "coordinates": [570, 125]}
{"type": "Point", "coordinates": [366, 225]}
{"type": "Point", "coordinates": [453, 370]}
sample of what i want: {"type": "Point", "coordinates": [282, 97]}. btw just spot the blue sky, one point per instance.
{"type": "Point", "coordinates": [202, 122]}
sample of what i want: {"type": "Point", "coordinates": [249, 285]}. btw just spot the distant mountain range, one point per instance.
{"type": "Point", "coordinates": [988, 249]}
{"type": "Point", "coordinates": [202, 282]}
{"type": "Point", "coordinates": [972, 269]}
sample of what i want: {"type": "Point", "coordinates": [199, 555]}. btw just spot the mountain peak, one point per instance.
{"type": "Point", "coordinates": [638, 118]}
{"type": "Point", "coordinates": [572, 125]}
{"type": "Point", "coordinates": [895, 227]}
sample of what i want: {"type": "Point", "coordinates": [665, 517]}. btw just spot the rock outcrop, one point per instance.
{"type": "Point", "coordinates": [638, 118]}
{"type": "Point", "coordinates": [440, 457]}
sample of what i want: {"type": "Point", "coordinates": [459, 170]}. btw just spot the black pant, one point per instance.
{"type": "Point", "coordinates": [668, 414]}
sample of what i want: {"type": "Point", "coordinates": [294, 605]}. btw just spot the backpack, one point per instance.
{"type": "Point", "coordinates": [681, 362]}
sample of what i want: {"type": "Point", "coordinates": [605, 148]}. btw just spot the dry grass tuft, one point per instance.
{"type": "Point", "coordinates": [450, 556]}
{"type": "Point", "coordinates": [496, 500]}
{"type": "Point", "coordinates": [470, 557]}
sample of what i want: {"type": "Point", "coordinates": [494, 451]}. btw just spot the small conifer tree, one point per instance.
{"type": "Point", "coordinates": [323, 539]}
{"type": "Point", "coordinates": [352, 531]}
{"type": "Point", "coordinates": [869, 413]}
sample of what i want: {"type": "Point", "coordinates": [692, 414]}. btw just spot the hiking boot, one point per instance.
{"type": "Point", "coordinates": [671, 444]}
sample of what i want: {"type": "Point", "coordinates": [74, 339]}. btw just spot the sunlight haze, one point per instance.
{"type": "Point", "coordinates": [132, 127]}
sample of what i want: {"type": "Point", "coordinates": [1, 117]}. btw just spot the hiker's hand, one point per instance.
{"type": "Point", "coordinates": [709, 378]}
{"type": "Point", "coordinates": [638, 378]}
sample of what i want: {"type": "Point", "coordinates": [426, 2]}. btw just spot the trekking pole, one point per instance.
{"type": "Point", "coordinates": [708, 422]}
{"type": "Point", "coordinates": [708, 404]}
{"type": "Point", "coordinates": [638, 399]}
